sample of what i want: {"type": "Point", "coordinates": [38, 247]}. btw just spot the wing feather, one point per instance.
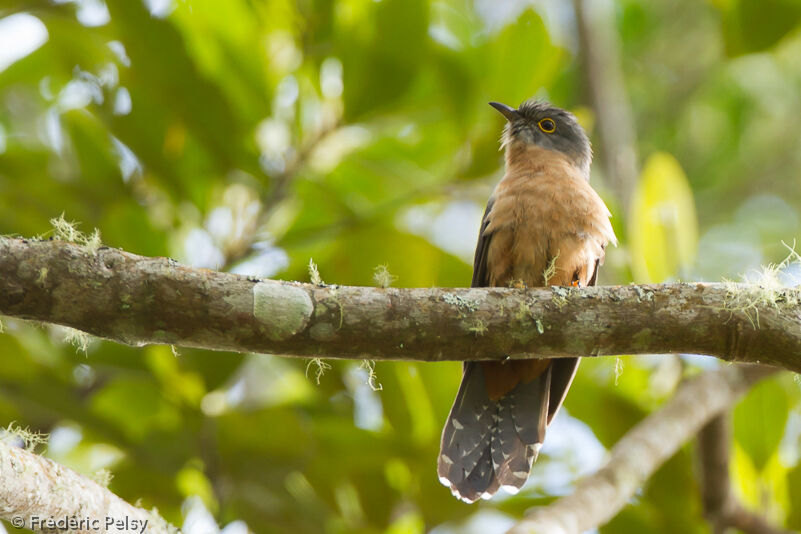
{"type": "Point", "coordinates": [480, 268]}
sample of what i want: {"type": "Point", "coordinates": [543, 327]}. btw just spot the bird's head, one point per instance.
{"type": "Point", "coordinates": [538, 123]}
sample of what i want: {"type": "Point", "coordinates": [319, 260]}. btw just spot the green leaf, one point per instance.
{"type": "Point", "coordinates": [663, 229]}
{"type": "Point", "coordinates": [759, 421]}
{"type": "Point", "coordinates": [755, 25]}
{"type": "Point", "coordinates": [379, 69]}
{"type": "Point", "coordinates": [521, 61]}
{"type": "Point", "coordinates": [794, 490]}
{"type": "Point", "coordinates": [135, 406]}
{"type": "Point", "coordinates": [176, 89]}
{"type": "Point", "coordinates": [192, 481]}
{"type": "Point", "coordinates": [606, 409]}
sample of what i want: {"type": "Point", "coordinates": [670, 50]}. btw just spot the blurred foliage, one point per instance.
{"type": "Point", "coordinates": [663, 234]}
{"type": "Point", "coordinates": [253, 135]}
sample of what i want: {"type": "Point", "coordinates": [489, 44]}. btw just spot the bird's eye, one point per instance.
{"type": "Point", "coordinates": [547, 125]}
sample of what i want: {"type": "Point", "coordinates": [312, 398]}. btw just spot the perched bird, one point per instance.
{"type": "Point", "coordinates": [544, 225]}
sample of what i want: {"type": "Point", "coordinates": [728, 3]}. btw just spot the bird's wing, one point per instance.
{"type": "Point", "coordinates": [480, 271]}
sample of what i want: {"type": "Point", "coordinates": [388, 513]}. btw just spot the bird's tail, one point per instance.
{"type": "Point", "coordinates": [488, 444]}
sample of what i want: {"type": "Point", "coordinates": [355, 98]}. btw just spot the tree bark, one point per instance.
{"type": "Point", "coordinates": [138, 300]}
{"type": "Point", "coordinates": [633, 459]}
{"type": "Point", "coordinates": [41, 495]}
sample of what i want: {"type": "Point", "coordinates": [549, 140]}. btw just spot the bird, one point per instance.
{"type": "Point", "coordinates": [544, 225]}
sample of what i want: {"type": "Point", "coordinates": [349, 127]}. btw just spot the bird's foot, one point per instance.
{"type": "Point", "coordinates": [518, 284]}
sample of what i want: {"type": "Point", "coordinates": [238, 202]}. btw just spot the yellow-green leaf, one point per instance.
{"type": "Point", "coordinates": [663, 227]}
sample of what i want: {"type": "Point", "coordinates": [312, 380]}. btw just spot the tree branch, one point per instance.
{"type": "Point", "coordinates": [721, 507]}
{"type": "Point", "coordinates": [599, 47]}
{"type": "Point", "coordinates": [35, 491]}
{"type": "Point", "coordinates": [271, 199]}
{"type": "Point", "coordinates": [633, 459]}
{"type": "Point", "coordinates": [713, 452]}
{"type": "Point", "coordinates": [137, 300]}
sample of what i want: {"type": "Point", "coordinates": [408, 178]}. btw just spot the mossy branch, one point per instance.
{"type": "Point", "coordinates": [138, 300]}
{"type": "Point", "coordinates": [36, 493]}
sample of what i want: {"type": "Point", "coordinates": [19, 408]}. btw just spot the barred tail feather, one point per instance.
{"type": "Point", "coordinates": [529, 408]}
{"type": "Point", "coordinates": [468, 430]}
{"type": "Point", "coordinates": [489, 444]}
{"type": "Point", "coordinates": [511, 456]}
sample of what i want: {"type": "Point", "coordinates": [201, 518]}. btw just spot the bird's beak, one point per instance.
{"type": "Point", "coordinates": [509, 112]}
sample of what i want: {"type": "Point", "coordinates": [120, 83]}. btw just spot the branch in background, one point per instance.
{"type": "Point", "coordinates": [35, 490]}
{"type": "Point", "coordinates": [277, 193]}
{"type": "Point", "coordinates": [633, 459]}
{"type": "Point", "coordinates": [721, 507]}
{"type": "Point", "coordinates": [137, 300]}
{"type": "Point", "coordinates": [282, 180]}
{"type": "Point", "coordinates": [600, 52]}
{"type": "Point", "coordinates": [713, 452]}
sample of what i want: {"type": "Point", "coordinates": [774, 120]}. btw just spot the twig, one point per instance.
{"type": "Point", "coordinates": [277, 193]}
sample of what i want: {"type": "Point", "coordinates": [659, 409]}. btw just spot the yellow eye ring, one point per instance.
{"type": "Point", "coordinates": [547, 125]}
